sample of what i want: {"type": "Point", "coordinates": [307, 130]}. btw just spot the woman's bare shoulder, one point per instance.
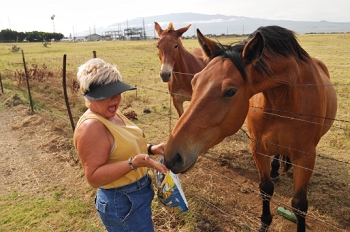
{"type": "Point", "coordinates": [91, 128]}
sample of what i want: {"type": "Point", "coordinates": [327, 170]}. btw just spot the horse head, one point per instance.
{"type": "Point", "coordinates": [219, 105]}
{"type": "Point", "coordinates": [169, 46]}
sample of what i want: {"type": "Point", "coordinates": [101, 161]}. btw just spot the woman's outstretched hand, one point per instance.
{"type": "Point", "coordinates": [158, 149]}
{"type": "Point", "coordinates": [144, 160]}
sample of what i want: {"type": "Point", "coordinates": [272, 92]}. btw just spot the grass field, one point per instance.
{"type": "Point", "coordinates": [214, 204]}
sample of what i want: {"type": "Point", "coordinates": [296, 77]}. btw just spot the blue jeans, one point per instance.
{"type": "Point", "coordinates": [127, 208]}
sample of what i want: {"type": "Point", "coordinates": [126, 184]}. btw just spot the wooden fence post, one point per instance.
{"type": "Point", "coordinates": [2, 88]}
{"type": "Point", "coordinates": [27, 80]}
{"type": "Point", "coordinates": [64, 83]}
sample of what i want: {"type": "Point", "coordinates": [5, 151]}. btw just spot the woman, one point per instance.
{"type": "Point", "coordinates": [113, 151]}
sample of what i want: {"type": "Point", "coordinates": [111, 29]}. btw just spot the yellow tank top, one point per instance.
{"type": "Point", "coordinates": [129, 141]}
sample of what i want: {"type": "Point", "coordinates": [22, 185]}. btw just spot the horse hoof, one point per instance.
{"type": "Point", "coordinates": [262, 229]}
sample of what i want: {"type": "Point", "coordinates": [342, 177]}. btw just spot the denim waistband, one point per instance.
{"type": "Point", "coordinates": [136, 185]}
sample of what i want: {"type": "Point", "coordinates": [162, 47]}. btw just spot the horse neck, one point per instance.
{"type": "Point", "coordinates": [187, 62]}
{"type": "Point", "coordinates": [282, 83]}
{"type": "Point", "coordinates": [284, 72]}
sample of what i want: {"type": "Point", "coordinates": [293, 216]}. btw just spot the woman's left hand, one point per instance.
{"type": "Point", "coordinates": [158, 149]}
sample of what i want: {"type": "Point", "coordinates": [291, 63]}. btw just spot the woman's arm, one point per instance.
{"type": "Point", "coordinates": [93, 143]}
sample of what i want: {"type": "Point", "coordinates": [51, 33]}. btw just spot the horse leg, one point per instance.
{"type": "Point", "coordinates": [287, 163]}
{"type": "Point", "coordinates": [275, 165]}
{"type": "Point", "coordinates": [178, 104]}
{"type": "Point", "coordinates": [266, 187]}
{"type": "Point", "coordinates": [302, 173]}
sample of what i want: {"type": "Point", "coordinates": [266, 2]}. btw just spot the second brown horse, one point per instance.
{"type": "Point", "coordinates": [178, 65]}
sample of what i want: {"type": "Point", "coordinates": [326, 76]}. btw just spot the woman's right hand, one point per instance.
{"type": "Point", "coordinates": [144, 160]}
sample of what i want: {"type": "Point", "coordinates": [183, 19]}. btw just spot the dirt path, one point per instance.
{"type": "Point", "coordinates": [9, 145]}
{"type": "Point", "coordinates": [29, 152]}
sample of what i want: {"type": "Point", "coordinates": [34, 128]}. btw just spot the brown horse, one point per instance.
{"type": "Point", "coordinates": [178, 65]}
{"type": "Point", "coordinates": [285, 94]}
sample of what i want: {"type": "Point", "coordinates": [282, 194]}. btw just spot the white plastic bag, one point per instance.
{"type": "Point", "coordinates": [170, 193]}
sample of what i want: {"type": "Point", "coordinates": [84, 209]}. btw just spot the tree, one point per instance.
{"type": "Point", "coordinates": [33, 36]}
{"type": "Point", "coordinates": [21, 36]}
{"type": "Point", "coordinates": [8, 35]}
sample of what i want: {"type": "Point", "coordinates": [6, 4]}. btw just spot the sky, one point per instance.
{"type": "Point", "coordinates": [71, 16]}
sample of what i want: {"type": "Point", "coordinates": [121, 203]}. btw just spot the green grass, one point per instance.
{"type": "Point", "coordinates": [139, 65]}
{"type": "Point", "coordinates": [23, 212]}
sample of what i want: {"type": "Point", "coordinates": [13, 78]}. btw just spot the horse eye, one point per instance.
{"type": "Point", "coordinates": [230, 92]}
{"type": "Point", "coordinates": [175, 47]}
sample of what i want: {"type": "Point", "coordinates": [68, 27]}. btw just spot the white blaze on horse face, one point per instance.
{"type": "Point", "coordinates": [166, 72]}
{"type": "Point", "coordinates": [166, 68]}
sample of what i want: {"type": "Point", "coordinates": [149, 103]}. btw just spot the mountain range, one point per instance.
{"type": "Point", "coordinates": [221, 24]}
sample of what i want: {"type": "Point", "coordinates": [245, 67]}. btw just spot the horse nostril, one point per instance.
{"type": "Point", "coordinates": [165, 76]}
{"type": "Point", "coordinates": [178, 160]}
{"type": "Point", "coordinates": [176, 163]}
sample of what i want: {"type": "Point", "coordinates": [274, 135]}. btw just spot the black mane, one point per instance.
{"type": "Point", "coordinates": [232, 52]}
{"type": "Point", "coordinates": [279, 41]}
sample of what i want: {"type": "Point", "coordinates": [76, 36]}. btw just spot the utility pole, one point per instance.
{"type": "Point", "coordinates": [53, 23]}
{"type": "Point", "coordinates": [144, 30]}
{"type": "Point", "coordinates": [8, 18]}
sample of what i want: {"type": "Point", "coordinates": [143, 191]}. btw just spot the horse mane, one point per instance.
{"type": "Point", "coordinates": [171, 26]}
{"type": "Point", "coordinates": [232, 52]}
{"type": "Point", "coordinates": [279, 41]}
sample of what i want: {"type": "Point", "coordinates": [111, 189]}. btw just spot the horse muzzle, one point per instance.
{"type": "Point", "coordinates": [178, 163]}
{"type": "Point", "coordinates": [165, 76]}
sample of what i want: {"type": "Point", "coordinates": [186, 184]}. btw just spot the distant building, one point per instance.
{"type": "Point", "coordinates": [94, 37]}
{"type": "Point", "coordinates": [114, 35]}
{"type": "Point", "coordinates": [79, 39]}
{"type": "Point", "coordinates": [65, 40]}
{"type": "Point", "coordinates": [134, 33]}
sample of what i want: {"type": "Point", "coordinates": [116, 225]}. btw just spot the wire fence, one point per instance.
{"type": "Point", "coordinates": [62, 111]}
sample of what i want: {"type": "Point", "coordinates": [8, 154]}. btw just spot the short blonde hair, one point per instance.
{"type": "Point", "coordinates": [97, 71]}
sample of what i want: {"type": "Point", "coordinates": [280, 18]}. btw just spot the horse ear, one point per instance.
{"type": "Point", "coordinates": [254, 48]}
{"type": "Point", "coordinates": [182, 30]}
{"type": "Point", "coordinates": [208, 45]}
{"type": "Point", "coordinates": [158, 29]}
